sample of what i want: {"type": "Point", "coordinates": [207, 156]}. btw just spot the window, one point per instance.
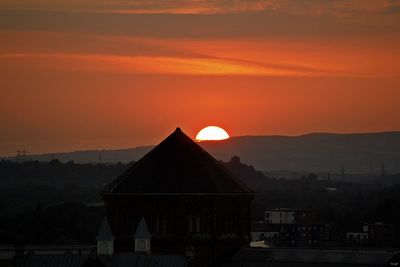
{"type": "Point", "coordinates": [141, 245]}
{"type": "Point", "coordinates": [190, 224]}
{"type": "Point", "coordinates": [193, 224]}
{"type": "Point", "coordinates": [105, 247]}
{"type": "Point", "coordinates": [163, 225]}
{"type": "Point", "coordinates": [197, 226]}
{"type": "Point", "coordinates": [157, 224]}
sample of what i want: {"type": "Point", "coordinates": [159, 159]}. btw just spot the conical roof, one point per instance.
{"type": "Point", "coordinates": [142, 231]}
{"type": "Point", "coordinates": [178, 165]}
{"type": "Point", "coordinates": [105, 233]}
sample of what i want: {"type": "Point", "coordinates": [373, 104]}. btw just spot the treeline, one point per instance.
{"type": "Point", "coordinates": [52, 202]}
{"type": "Point", "coordinates": [68, 222]}
{"type": "Point", "coordinates": [23, 185]}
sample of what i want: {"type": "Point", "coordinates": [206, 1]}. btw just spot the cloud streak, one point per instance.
{"type": "Point", "coordinates": [260, 57]}
{"type": "Point", "coordinates": [317, 7]}
{"type": "Point", "coordinates": [146, 6]}
{"type": "Point", "coordinates": [156, 65]}
{"type": "Point", "coordinates": [199, 19]}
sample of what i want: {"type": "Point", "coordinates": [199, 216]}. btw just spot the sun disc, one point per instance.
{"type": "Point", "coordinates": [212, 133]}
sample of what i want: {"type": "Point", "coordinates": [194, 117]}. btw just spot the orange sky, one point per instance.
{"type": "Point", "coordinates": [88, 74]}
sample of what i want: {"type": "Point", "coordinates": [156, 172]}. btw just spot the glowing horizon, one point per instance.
{"type": "Point", "coordinates": [75, 75]}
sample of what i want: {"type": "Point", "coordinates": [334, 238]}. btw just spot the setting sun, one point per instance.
{"type": "Point", "coordinates": [212, 133]}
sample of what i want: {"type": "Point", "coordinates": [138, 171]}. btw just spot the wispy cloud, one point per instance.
{"type": "Point", "coordinates": [259, 57]}
{"type": "Point", "coordinates": [207, 6]}
{"type": "Point", "coordinates": [146, 6]}
{"type": "Point", "coordinates": [152, 65]}
{"type": "Point", "coordinates": [264, 23]}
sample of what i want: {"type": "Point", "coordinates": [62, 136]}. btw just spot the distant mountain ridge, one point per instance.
{"type": "Point", "coordinates": [317, 152]}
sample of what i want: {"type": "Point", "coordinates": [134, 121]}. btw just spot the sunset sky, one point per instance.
{"type": "Point", "coordinates": [102, 74]}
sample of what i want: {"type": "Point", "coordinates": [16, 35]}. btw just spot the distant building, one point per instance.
{"type": "Point", "coordinates": [290, 227]}
{"type": "Point", "coordinates": [375, 234]}
{"type": "Point", "coordinates": [192, 205]}
{"type": "Point", "coordinates": [280, 216]}
{"type": "Point", "coordinates": [289, 216]}
{"type": "Point", "coordinates": [290, 235]}
{"type": "Point", "coordinates": [358, 238]}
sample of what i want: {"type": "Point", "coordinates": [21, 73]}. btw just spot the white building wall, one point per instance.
{"type": "Point", "coordinates": [280, 216]}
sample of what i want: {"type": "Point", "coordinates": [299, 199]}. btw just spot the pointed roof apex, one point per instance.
{"type": "Point", "coordinates": [105, 233]}
{"type": "Point", "coordinates": [142, 232]}
{"type": "Point", "coordinates": [178, 165]}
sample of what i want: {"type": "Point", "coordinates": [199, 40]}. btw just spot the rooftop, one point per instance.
{"type": "Point", "coordinates": [178, 165]}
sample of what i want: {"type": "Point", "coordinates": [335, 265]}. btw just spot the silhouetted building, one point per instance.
{"type": "Point", "coordinates": [86, 256]}
{"type": "Point", "coordinates": [192, 205]}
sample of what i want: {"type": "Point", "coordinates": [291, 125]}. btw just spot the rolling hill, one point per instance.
{"type": "Point", "coordinates": [317, 152]}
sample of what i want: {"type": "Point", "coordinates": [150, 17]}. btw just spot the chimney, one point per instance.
{"type": "Point", "coordinates": [105, 239]}
{"type": "Point", "coordinates": [142, 238]}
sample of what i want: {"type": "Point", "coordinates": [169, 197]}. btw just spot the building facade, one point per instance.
{"type": "Point", "coordinates": [280, 216]}
{"type": "Point", "coordinates": [192, 205]}
{"type": "Point", "coordinates": [289, 216]}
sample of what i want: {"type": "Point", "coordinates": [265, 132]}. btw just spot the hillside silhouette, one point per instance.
{"type": "Point", "coordinates": [318, 152]}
